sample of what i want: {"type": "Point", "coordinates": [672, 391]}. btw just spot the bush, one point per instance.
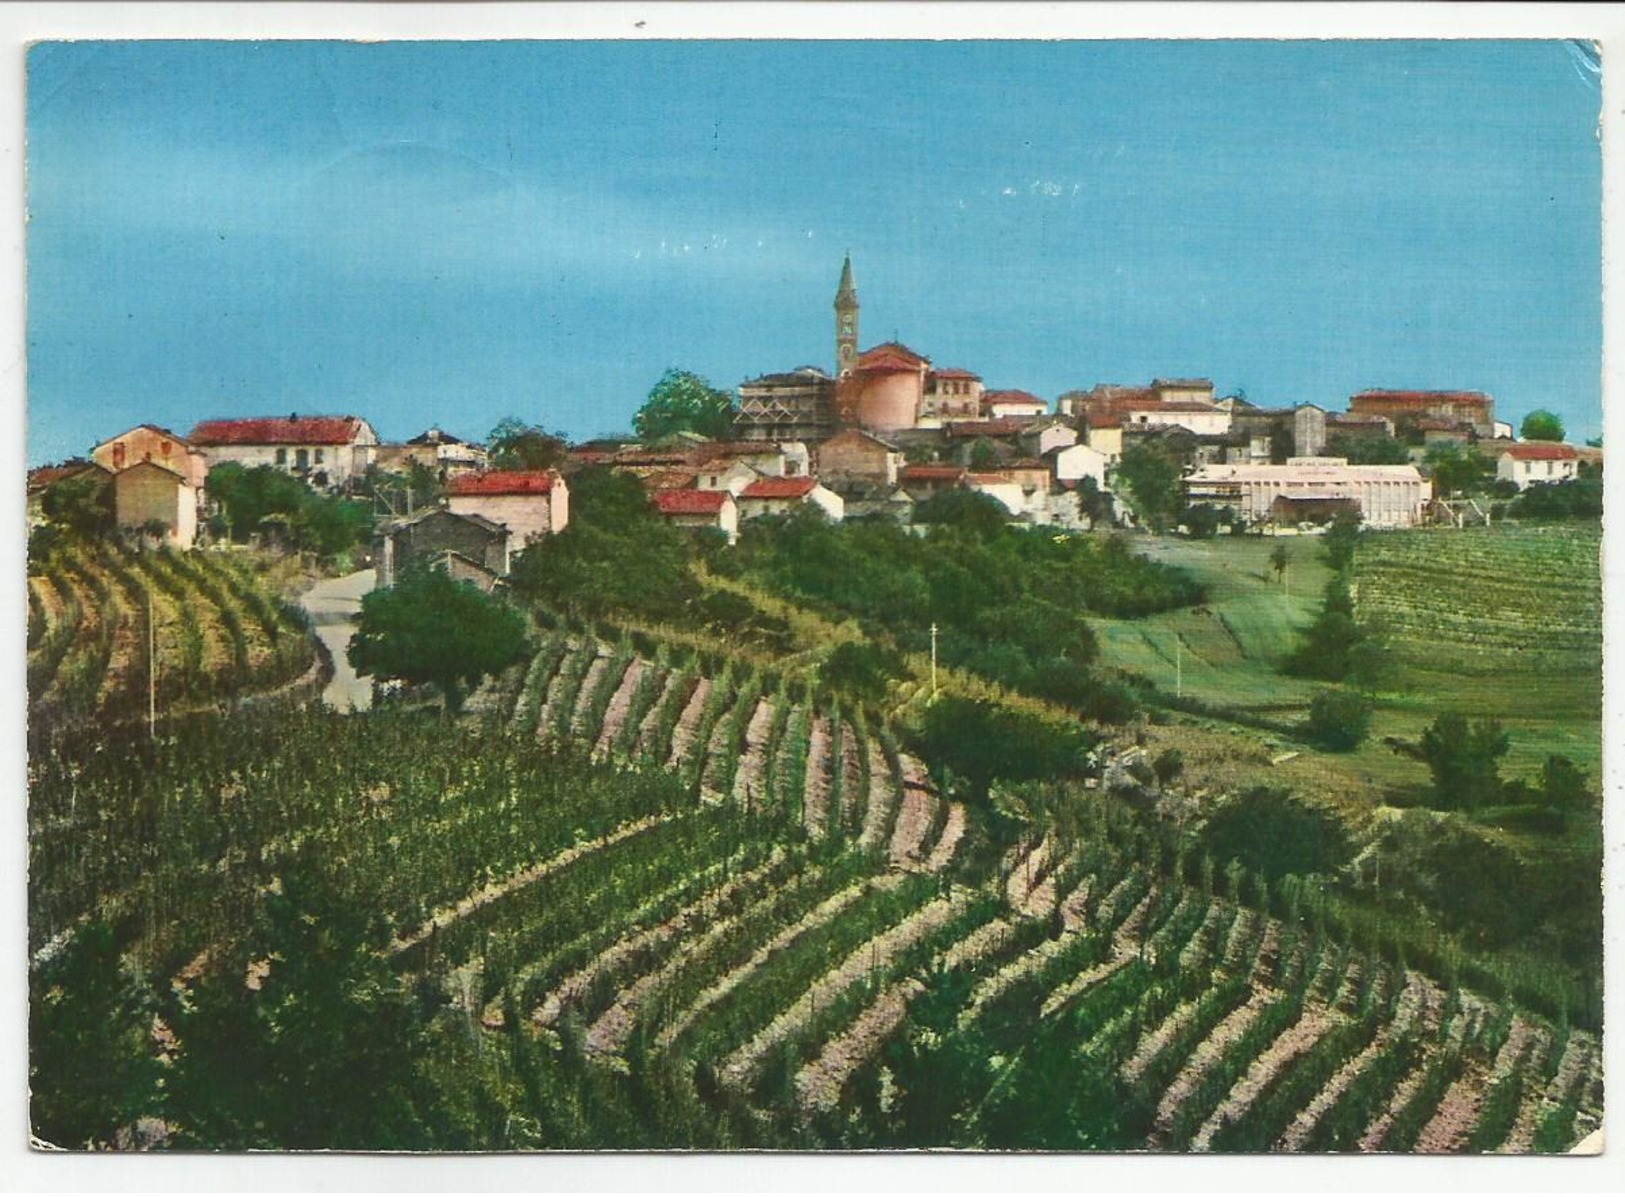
{"type": "Point", "coordinates": [976, 741]}
{"type": "Point", "coordinates": [1338, 720]}
{"type": "Point", "coordinates": [1273, 834]}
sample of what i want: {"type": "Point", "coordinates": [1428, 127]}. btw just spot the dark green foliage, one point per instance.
{"type": "Point", "coordinates": [92, 1070]}
{"type": "Point", "coordinates": [1339, 720]}
{"type": "Point", "coordinates": [431, 628]}
{"type": "Point", "coordinates": [515, 445]}
{"type": "Point", "coordinates": [1150, 470]}
{"type": "Point", "coordinates": [973, 741]}
{"type": "Point", "coordinates": [1168, 765]}
{"type": "Point", "coordinates": [1464, 759]}
{"type": "Point", "coordinates": [1341, 540]}
{"type": "Point", "coordinates": [1201, 520]}
{"type": "Point", "coordinates": [1541, 425]}
{"type": "Point", "coordinates": [616, 554]}
{"type": "Point", "coordinates": [684, 402]}
{"type": "Point", "coordinates": [83, 504]}
{"type": "Point", "coordinates": [1367, 449]}
{"type": "Point", "coordinates": [268, 501]}
{"type": "Point", "coordinates": [1273, 834]}
{"type": "Point", "coordinates": [1010, 603]}
{"type": "Point", "coordinates": [862, 670]}
{"type": "Point", "coordinates": [967, 509]}
{"type": "Point", "coordinates": [1580, 498]}
{"type": "Point", "coordinates": [322, 1054]}
{"type": "Point", "coordinates": [1457, 471]}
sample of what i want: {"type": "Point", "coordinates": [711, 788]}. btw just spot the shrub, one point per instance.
{"type": "Point", "coordinates": [1338, 720]}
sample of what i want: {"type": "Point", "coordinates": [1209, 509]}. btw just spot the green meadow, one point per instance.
{"type": "Point", "coordinates": [1503, 623]}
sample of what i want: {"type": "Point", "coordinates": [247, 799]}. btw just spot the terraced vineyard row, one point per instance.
{"type": "Point", "coordinates": [95, 617]}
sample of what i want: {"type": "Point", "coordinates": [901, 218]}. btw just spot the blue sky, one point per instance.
{"type": "Point", "coordinates": [439, 233]}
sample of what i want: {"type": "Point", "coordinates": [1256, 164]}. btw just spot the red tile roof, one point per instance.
{"type": "Point", "coordinates": [780, 488]}
{"type": "Point", "coordinates": [661, 479]}
{"type": "Point", "coordinates": [896, 349]}
{"type": "Point", "coordinates": [1543, 451]}
{"type": "Point", "coordinates": [1423, 398]}
{"type": "Point", "coordinates": [690, 502]}
{"type": "Point", "coordinates": [503, 482]}
{"type": "Point", "coordinates": [279, 430]}
{"type": "Point", "coordinates": [886, 362]}
{"type": "Point", "coordinates": [955, 372]}
{"type": "Point", "coordinates": [931, 473]}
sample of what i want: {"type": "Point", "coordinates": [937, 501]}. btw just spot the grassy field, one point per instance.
{"type": "Point", "coordinates": [1503, 624]}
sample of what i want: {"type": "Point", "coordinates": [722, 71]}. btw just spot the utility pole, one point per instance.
{"type": "Point", "coordinates": [933, 660]}
{"type": "Point", "coordinates": [152, 672]}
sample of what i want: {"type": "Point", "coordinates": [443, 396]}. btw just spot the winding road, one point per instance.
{"type": "Point", "coordinates": [334, 605]}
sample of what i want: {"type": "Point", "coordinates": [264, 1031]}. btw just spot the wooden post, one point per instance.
{"type": "Point", "coordinates": [152, 671]}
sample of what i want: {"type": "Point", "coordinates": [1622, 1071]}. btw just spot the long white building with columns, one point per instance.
{"type": "Point", "coordinates": [1388, 496]}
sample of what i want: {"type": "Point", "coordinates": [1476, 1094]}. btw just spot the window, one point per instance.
{"type": "Point", "coordinates": [282, 457]}
{"type": "Point", "coordinates": [301, 459]}
{"type": "Point", "coordinates": [320, 455]}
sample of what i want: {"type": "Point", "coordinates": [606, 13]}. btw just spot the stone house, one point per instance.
{"type": "Point", "coordinates": [778, 496]}
{"type": "Point", "coordinates": [148, 493]}
{"type": "Point", "coordinates": [427, 537]}
{"type": "Point", "coordinates": [699, 509]}
{"type": "Point", "coordinates": [858, 456]}
{"type": "Point", "coordinates": [529, 503]}
{"type": "Point", "coordinates": [326, 451]}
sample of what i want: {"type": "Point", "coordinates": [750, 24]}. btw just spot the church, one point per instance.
{"type": "Point", "coordinates": [887, 388]}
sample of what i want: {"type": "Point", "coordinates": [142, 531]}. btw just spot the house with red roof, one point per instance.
{"type": "Point", "coordinates": [699, 509]}
{"type": "Point", "coordinates": [779, 496]}
{"type": "Point", "coordinates": [326, 451]}
{"type": "Point", "coordinates": [158, 478]}
{"type": "Point", "coordinates": [1004, 405]}
{"type": "Point", "coordinates": [529, 503]}
{"type": "Point", "coordinates": [1531, 463]}
{"type": "Point", "coordinates": [951, 394]}
{"type": "Point", "coordinates": [1455, 407]}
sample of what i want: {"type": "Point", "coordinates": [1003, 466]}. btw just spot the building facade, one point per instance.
{"type": "Point", "coordinates": [1388, 496]}
{"type": "Point", "coordinates": [326, 451]}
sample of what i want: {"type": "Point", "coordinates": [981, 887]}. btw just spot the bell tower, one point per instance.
{"type": "Point", "coordinates": [846, 322]}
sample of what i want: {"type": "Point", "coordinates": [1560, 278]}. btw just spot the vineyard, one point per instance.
{"type": "Point", "coordinates": [646, 905]}
{"type": "Point", "coordinates": [1491, 617]}
{"type": "Point", "coordinates": [102, 615]}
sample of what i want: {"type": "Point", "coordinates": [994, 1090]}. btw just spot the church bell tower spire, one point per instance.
{"type": "Point", "coordinates": [846, 321]}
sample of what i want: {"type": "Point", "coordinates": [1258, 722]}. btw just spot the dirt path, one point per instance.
{"type": "Point", "coordinates": [334, 605]}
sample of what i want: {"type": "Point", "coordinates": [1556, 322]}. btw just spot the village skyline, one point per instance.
{"type": "Point", "coordinates": [1316, 220]}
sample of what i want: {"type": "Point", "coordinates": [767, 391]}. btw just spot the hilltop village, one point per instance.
{"type": "Point", "coordinates": [863, 758]}
{"type": "Point", "coordinates": [887, 430]}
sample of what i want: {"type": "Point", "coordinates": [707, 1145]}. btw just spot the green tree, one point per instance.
{"type": "Point", "coordinates": [431, 628]}
{"type": "Point", "coordinates": [970, 510]}
{"type": "Point", "coordinates": [267, 500]}
{"type": "Point", "coordinates": [1464, 759]}
{"type": "Point", "coordinates": [1541, 425]}
{"type": "Point", "coordinates": [1366, 449]}
{"type": "Point", "coordinates": [977, 740]}
{"type": "Point", "coordinates": [1279, 560]}
{"type": "Point", "coordinates": [83, 503]}
{"type": "Point", "coordinates": [1454, 470]}
{"type": "Point", "coordinates": [305, 1038]}
{"type": "Point", "coordinates": [684, 402]}
{"type": "Point", "coordinates": [91, 1067]}
{"type": "Point", "coordinates": [515, 445]}
{"type": "Point", "coordinates": [1273, 834]}
{"type": "Point", "coordinates": [1151, 472]}
{"type": "Point", "coordinates": [616, 554]}
{"type": "Point", "coordinates": [1339, 720]}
